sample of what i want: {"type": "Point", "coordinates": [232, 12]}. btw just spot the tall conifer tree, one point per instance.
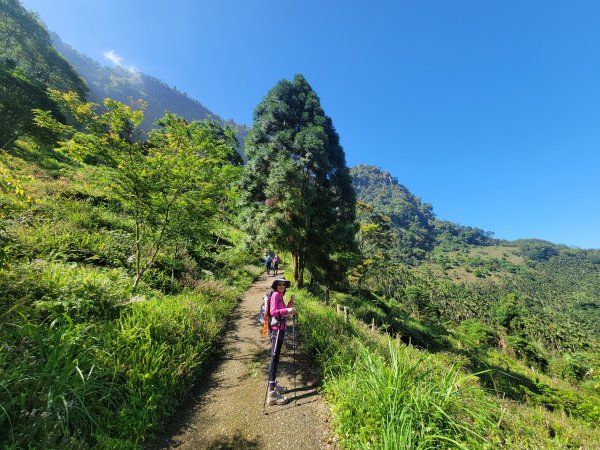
{"type": "Point", "coordinates": [297, 190]}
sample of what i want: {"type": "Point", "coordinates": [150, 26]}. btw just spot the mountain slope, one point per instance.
{"type": "Point", "coordinates": [122, 84]}
{"type": "Point", "coordinates": [543, 296]}
{"type": "Point", "coordinates": [417, 229]}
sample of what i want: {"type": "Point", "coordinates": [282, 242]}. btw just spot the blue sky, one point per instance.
{"type": "Point", "coordinates": [488, 110]}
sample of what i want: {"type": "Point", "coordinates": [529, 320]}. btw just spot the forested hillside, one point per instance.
{"type": "Point", "coordinates": [534, 290]}
{"type": "Point", "coordinates": [123, 249]}
{"type": "Point", "coordinates": [416, 228]}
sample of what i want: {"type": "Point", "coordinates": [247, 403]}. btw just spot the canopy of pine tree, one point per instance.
{"type": "Point", "coordinates": [297, 190]}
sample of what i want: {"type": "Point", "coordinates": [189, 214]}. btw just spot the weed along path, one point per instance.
{"type": "Point", "coordinates": [225, 409]}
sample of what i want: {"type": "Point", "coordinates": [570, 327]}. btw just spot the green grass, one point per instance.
{"type": "Point", "coordinates": [68, 384]}
{"type": "Point", "coordinates": [387, 395]}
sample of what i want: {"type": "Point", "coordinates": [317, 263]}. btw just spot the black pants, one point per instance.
{"type": "Point", "coordinates": [276, 343]}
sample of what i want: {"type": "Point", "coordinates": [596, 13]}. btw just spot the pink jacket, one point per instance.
{"type": "Point", "coordinates": [278, 309]}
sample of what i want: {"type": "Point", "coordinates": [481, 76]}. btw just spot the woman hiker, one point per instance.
{"type": "Point", "coordinates": [278, 311]}
{"type": "Point", "coordinates": [276, 262]}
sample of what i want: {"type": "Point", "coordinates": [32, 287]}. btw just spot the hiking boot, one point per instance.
{"type": "Point", "coordinates": [275, 398]}
{"type": "Point", "coordinates": [281, 389]}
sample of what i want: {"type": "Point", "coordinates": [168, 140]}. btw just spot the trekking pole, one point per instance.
{"type": "Point", "coordinates": [294, 360]}
{"type": "Point", "coordinates": [266, 392]}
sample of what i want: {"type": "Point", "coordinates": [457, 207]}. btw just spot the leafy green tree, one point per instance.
{"type": "Point", "coordinates": [25, 41]}
{"type": "Point", "coordinates": [297, 190]}
{"type": "Point", "coordinates": [18, 96]}
{"type": "Point", "coordinates": [538, 250]}
{"type": "Point", "coordinates": [180, 174]}
{"type": "Point", "coordinates": [375, 239]}
{"type": "Point", "coordinates": [507, 309]}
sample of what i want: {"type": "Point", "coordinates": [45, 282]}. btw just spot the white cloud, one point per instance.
{"type": "Point", "coordinates": [134, 75]}
{"type": "Point", "coordinates": [113, 57]}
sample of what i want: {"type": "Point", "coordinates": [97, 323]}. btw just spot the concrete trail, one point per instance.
{"type": "Point", "coordinates": [225, 409]}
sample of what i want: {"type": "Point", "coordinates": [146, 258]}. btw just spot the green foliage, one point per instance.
{"type": "Point", "coordinates": [27, 45]}
{"type": "Point", "coordinates": [508, 309]}
{"type": "Point", "coordinates": [537, 250]}
{"type": "Point", "coordinates": [452, 236]}
{"type": "Point", "coordinates": [71, 384]}
{"type": "Point", "coordinates": [414, 226]}
{"type": "Point", "coordinates": [18, 97]}
{"type": "Point", "coordinates": [387, 395]}
{"type": "Point", "coordinates": [297, 191]}
{"type": "Point", "coordinates": [52, 391]}
{"type": "Point", "coordinates": [80, 364]}
{"type": "Point", "coordinates": [375, 243]}
{"type": "Point", "coordinates": [173, 185]}
{"type": "Point", "coordinates": [47, 291]}
{"type": "Point", "coordinates": [14, 199]}
{"type": "Point", "coordinates": [83, 364]}
{"type": "Point", "coordinates": [409, 217]}
{"type": "Point", "coordinates": [566, 288]}
{"type": "Point", "coordinates": [389, 315]}
{"type": "Point", "coordinates": [475, 335]}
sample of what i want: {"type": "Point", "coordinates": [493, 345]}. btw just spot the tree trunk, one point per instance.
{"type": "Point", "coordinates": [298, 270]}
{"type": "Point", "coordinates": [295, 268]}
{"type": "Point", "coordinates": [136, 281]}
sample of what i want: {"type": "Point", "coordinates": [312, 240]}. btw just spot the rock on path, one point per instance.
{"type": "Point", "coordinates": [225, 410]}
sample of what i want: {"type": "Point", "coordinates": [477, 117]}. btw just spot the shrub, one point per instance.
{"type": "Point", "coordinates": [476, 335]}
{"type": "Point", "coordinates": [47, 290]}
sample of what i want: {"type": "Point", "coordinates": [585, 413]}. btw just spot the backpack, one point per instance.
{"type": "Point", "coordinates": [265, 308]}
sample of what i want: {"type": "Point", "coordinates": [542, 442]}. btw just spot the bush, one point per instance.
{"type": "Point", "coordinates": [475, 335]}
{"type": "Point", "coordinates": [47, 290]}
{"type": "Point", "coordinates": [533, 353]}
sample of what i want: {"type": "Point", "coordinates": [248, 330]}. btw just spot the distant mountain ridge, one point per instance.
{"type": "Point", "coordinates": [417, 229]}
{"type": "Point", "coordinates": [121, 84]}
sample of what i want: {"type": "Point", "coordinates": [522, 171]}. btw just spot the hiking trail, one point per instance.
{"type": "Point", "coordinates": [225, 408]}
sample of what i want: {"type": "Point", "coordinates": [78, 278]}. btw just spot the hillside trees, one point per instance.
{"type": "Point", "coordinates": [29, 64]}
{"type": "Point", "coordinates": [410, 219]}
{"type": "Point", "coordinates": [297, 191]}
{"type": "Point", "coordinates": [18, 96]}
{"type": "Point", "coordinates": [172, 184]}
{"type": "Point", "coordinates": [413, 222]}
{"type": "Point", "coordinates": [375, 239]}
{"type": "Point", "coordinates": [25, 41]}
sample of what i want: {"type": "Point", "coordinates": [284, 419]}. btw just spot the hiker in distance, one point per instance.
{"type": "Point", "coordinates": [268, 261]}
{"type": "Point", "coordinates": [276, 261]}
{"type": "Point", "coordinates": [277, 313]}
